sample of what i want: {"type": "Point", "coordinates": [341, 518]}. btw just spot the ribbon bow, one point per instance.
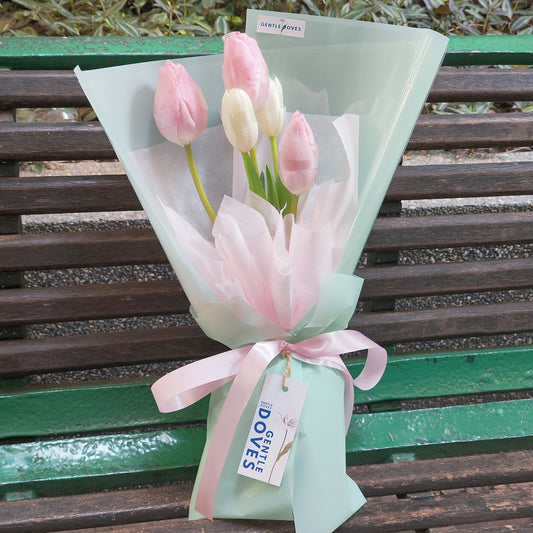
{"type": "Point", "coordinates": [245, 366]}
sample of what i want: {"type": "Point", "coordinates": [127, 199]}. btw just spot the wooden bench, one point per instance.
{"type": "Point", "coordinates": [444, 443]}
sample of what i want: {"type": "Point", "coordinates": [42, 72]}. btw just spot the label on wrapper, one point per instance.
{"type": "Point", "coordinates": [280, 26]}
{"type": "Point", "coordinates": [273, 429]}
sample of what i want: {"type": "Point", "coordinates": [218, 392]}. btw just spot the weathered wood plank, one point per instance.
{"type": "Point", "coordinates": [444, 473]}
{"type": "Point", "coordinates": [140, 246]}
{"type": "Point", "coordinates": [41, 88]}
{"type": "Point", "coordinates": [450, 231]}
{"type": "Point", "coordinates": [29, 356]}
{"type": "Point", "coordinates": [90, 248]}
{"type": "Point", "coordinates": [445, 278]}
{"type": "Point", "coordinates": [87, 140]}
{"type": "Point", "coordinates": [169, 502]}
{"type": "Point", "coordinates": [65, 194]}
{"type": "Point", "coordinates": [461, 321]}
{"type": "Point", "coordinates": [519, 525]}
{"type": "Point", "coordinates": [504, 502]}
{"type": "Point", "coordinates": [186, 342]}
{"type": "Point", "coordinates": [497, 130]}
{"type": "Point", "coordinates": [91, 302]}
{"type": "Point", "coordinates": [60, 88]}
{"type": "Point", "coordinates": [461, 181]}
{"type": "Point", "coordinates": [34, 141]}
{"type": "Point", "coordinates": [98, 301]}
{"type": "Point", "coordinates": [377, 516]}
{"type": "Point", "coordinates": [482, 85]}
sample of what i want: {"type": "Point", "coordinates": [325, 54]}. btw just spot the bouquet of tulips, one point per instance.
{"type": "Point", "coordinates": [271, 254]}
{"type": "Point", "coordinates": [264, 236]}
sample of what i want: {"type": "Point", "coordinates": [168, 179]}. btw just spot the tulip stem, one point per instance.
{"type": "Point", "coordinates": [253, 155]}
{"type": "Point", "coordinates": [198, 183]}
{"type": "Point", "coordinates": [294, 204]}
{"type": "Point", "coordinates": [274, 148]}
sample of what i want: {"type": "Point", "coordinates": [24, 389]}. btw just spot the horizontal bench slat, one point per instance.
{"type": "Point", "coordinates": [40, 88]}
{"type": "Point", "coordinates": [505, 507]}
{"type": "Point", "coordinates": [99, 301]}
{"type": "Point", "coordinates": [51, 466]}
{"type": "Point", "coordinates": [69, 141]}
{"type": "Point", "coordinates": [420, 182]}
{"type": "Point", "coordinates": [42, 411]}
{"type": "Point", "coordinates": [88, 248]}
{"type": "Point", "coordinates": [503, 503]}
{"type": "Point", "coordinates": [60, 88]}
{"type": "Point", "coordinates": [38, 355]}
{"type": "Point", "coordinates": [78, 141]}
{"type": "Point", "coordinates": [91, 302]}
{"type": "Point", "coordinates": [66, 194]}
{"type": "Point", "coordinates": [408, 477]}
{"type": "Point", "coordinates": [450, 231]}
{"type": "Point", "coordinates": [448, 132]}
{"type": "Point", "coordinates": [446, 278]}
{"type": "Point", "coordinates": [188, 342]}
{"type": "Point", "coordinates": [461, 321]}
{"type": "Point", "coordinates": [482, 85]}
{"type": "Point", "coordinates": [160, 503]}
{"type": "Point", "coordinates": [140, 246]}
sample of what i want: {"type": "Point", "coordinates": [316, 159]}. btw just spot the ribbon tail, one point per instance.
{"type": "Point", "coordinates": [251, 370]}
{"type": "Point", "coordinates": [190, 383]}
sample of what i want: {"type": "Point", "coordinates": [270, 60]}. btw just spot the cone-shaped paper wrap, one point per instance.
{"type": "Point", "coordinates": [262, 284]}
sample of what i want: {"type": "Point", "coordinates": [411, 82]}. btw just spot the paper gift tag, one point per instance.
{"type": "Point", "coordinates": [273, 429]}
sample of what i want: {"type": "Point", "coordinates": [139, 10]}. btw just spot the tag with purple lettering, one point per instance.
{"type": "Point", "coordinates": [273, 429]}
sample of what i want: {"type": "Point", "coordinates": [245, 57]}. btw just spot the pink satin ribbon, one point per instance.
{"type": "Point", "coordinates": [245, 366]}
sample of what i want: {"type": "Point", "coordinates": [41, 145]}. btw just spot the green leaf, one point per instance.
{"type": "Point", "coordinates": [222, 26]}
{"type": "Point", "coordinates": [254, 182]}
{"type": "Point", "coordinates": [284, 196]}
{"type": "Point", "coordinates": [272, 193]}
{"type": "Point", "coordinates": [520, 23]}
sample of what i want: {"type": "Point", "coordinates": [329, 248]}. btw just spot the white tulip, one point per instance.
{"type": "Point", "coordinates": [271, 116]}
{"type": "Point", "coordinates": [238, 119]}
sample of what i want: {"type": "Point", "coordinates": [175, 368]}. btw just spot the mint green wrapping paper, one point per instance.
{"type": "Point", "coordinates": [315, 492]}
{"type": "Point", "coordinates": [380, 73]}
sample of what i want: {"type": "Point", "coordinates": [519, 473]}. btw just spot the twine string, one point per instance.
{"type": "Point", "coordinates": [286, 354]}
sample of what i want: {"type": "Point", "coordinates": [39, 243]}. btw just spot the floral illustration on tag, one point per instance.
{"type": "Point", "coordinates": [285, 448]}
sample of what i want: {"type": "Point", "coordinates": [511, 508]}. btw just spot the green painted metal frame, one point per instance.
{"type": "Point", "coordinates": [80, 464]}
{"type": "Point", "coordinates": [53, 443]}
{"type": "Point", "coordinates": [38, 412]}
{"type": "Point", "coordinates": [95, 52]}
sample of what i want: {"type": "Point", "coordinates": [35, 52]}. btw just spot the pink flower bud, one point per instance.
{"type": "Point", "coordinates": [298, 156]}
{"type": "Point", "coordinates": [244, 67]}
{"type": "Point", "coordinates": [180, 109]}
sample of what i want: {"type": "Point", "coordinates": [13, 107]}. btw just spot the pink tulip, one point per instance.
{"type": "Point", "coordinates": [298, 156]}
{"type": "Point", "coordinates": [244, 67]}
{"type": "Point", "coordinates": [180, 109]}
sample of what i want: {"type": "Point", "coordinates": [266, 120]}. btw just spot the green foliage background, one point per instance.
{"type": "Point", "coordinates": [216, 17]}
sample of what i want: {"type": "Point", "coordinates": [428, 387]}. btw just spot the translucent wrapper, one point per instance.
{"type": "Point", "coordinates": [362, 86]}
